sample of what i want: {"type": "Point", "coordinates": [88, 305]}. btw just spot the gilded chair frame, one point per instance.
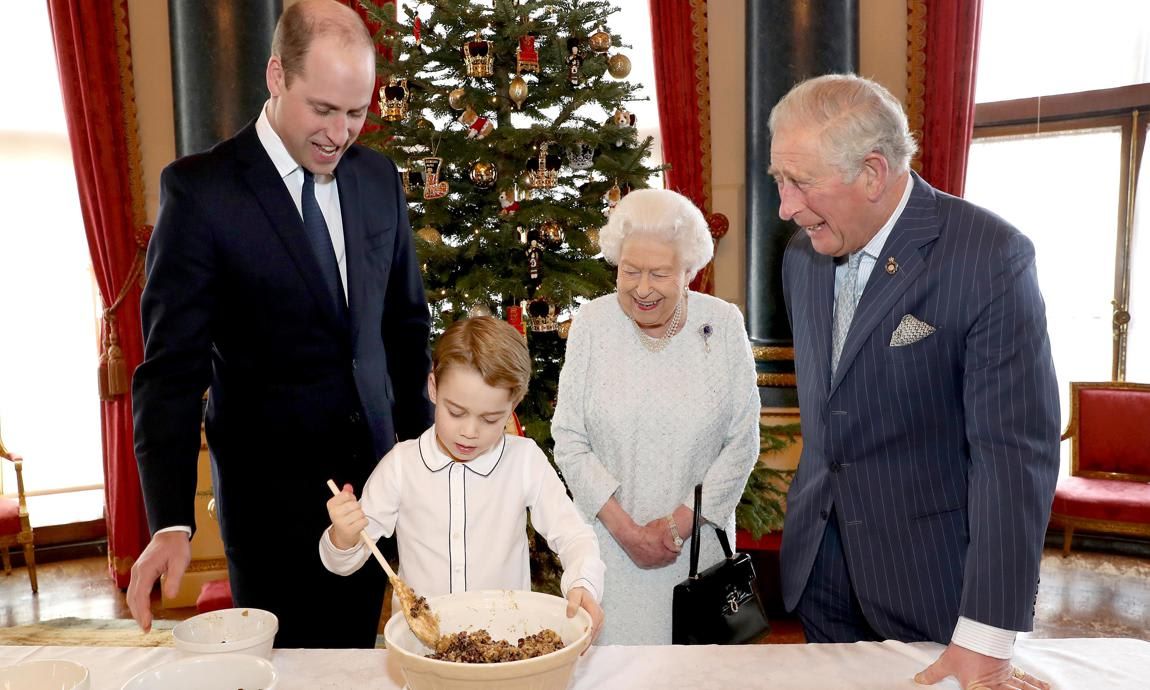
{"type": "Point", "coordinates": [26, 537]}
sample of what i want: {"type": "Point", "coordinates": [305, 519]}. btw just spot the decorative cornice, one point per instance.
{"type": "Point", "coordinates": [916, 73]}
{"type": "Point", "coordinates": [766, 353]}
{"type": "Point", "coordinates": [777, 380]}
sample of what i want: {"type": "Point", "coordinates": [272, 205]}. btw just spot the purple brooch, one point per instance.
{"type": "Point", "coordinates": [705, 330]}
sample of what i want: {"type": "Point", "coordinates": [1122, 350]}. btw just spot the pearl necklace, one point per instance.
{"type": "Point", "coordinates": [660, 343]}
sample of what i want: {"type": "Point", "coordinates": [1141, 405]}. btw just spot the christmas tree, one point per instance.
{"type": "Point", "coordinates": [509, 121]}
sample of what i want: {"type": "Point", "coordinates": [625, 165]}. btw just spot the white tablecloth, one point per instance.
{"type": "Point", "coordinates": [1089, 664]}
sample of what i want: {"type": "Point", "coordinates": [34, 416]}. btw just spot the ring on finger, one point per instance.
{"type": "Point", "coordinates": [1017, 672]}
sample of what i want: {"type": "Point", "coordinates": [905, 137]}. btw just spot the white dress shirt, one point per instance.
{"type": "Point", "coordinates": [462, 526]}
{"type": "Point", "coordinates": [326, 189]}
{"type": "Point", "coordinates": [873, 249]}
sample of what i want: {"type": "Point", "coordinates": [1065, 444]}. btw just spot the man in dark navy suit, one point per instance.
{"type": "Point", "coordinates": [282, 279]}
{"type": "Point", "coordinates": [929, 403]}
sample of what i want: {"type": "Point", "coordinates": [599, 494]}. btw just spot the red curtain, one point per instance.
{"type": "Point", "coordinates": [94, 59]}
{"type": "Point", "coordinates": [679, 43]}
{"type": "Point", "coordinates": [942, 56]}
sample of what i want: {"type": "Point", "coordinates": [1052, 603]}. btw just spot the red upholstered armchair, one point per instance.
{"type": "Point", "coordinates": [1109, 486]}
{"type": "Point", "coordinates": [15, 529]}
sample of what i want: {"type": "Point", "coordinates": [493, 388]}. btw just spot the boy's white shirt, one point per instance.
{"type": "Point", "coordinates": [461, 526]}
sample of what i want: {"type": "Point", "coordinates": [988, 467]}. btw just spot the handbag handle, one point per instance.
{"type": "Point", "coordinates": [722, 535]}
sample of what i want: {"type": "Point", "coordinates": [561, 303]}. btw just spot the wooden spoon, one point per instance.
{"type": "Point", "coordinates": [420, 618]}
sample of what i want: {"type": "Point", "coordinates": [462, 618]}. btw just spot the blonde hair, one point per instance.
{"type": "Point", "coordinates": [856, 117]}
{"type": "Point", "coordinates": [665, 215]}
{"type": "Point", "coordinates": [491, 347]}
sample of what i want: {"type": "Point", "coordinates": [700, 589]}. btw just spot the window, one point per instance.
{"type": "Point", "coordinates": [49, 409]}
{"type": "Point", "coordinates": [1058, 151]}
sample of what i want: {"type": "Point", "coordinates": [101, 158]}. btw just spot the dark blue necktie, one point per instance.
{"type": "Point", "coordinates": [316, 229]}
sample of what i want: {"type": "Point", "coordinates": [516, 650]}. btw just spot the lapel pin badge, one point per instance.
{"type": "Point", "coordinates": [891, 266]}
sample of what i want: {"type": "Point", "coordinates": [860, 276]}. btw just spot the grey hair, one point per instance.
{"type": "Point", "coordinates": [665, 215]}
{"type": "Point", "coordinates": [856, 116]}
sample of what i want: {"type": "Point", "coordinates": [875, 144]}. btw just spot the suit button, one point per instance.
{"type": "Point", "coordinates": [354, 418]}
{"type": "Point", "coordinates": [824, 514]}
{"type": "Point", "coordinates": [835, 467]}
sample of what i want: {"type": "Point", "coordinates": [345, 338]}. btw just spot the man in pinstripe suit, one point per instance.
{"type": "Point", "coordinates": [929, 402]}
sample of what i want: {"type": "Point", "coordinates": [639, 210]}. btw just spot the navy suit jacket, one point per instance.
{"type": "Point", "coordinates": [939, 458]}
{"type": "Point", "coordinates": [299, 387]}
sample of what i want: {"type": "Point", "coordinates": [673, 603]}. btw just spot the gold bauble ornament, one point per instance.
{"type": "Point", "coordinates": [424, 123]}
{"type": "Point", "coordinates": [619, 65]}
{"type": "Point", "coordinates": [593, 237]}
{"type": "Point", "coordinates": [551, 232]}
{"type": "Point", "coordinates": [484, 174]}
{"type": "Point", "coordinates": [479, 309]}
{"type": "Point", "coordinates": [517, 91]}
{"type": "Point", "coordinates": [600, 41]}
{"type": "Point", "coordinates": [455, 98]}
{"type": "Point", "coordinates": [429, 234]}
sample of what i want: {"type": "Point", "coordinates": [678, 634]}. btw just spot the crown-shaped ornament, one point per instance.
{"type": "Point", "coordinates": [544, 168]}
{"type": "Point", "coordinates": [581, 155]}
{"type": "Point", "coordinates": [542, 317]}
{"type": "Point", "coordinates": [477, 56]}
{"type": "Point", "coordinates": [394, 99]}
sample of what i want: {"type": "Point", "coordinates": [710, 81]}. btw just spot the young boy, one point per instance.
{"type": "Point", "coordinates": [457, 496]}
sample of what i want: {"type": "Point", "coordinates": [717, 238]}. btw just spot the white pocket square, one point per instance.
{"type": "Point", "coordinates": [910, 330]}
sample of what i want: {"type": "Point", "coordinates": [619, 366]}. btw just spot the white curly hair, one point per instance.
{"type": "Point", "coordinates": [665, 215]}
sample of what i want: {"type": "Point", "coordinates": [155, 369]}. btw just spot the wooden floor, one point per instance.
{"type": "Point", "coordinates": [1089, 594]}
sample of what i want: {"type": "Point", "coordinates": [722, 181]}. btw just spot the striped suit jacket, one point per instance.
{"type": "Point", "coordinates": [939, 458]}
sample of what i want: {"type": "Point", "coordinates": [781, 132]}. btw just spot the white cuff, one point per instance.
{"type": "Point", "coordinates": [585, 584]}
{"type": "Point", "coordinates": [326, 537]}
{"type": "Point", "coordinates": [984, 639]}
{"type": "Point", "coordinates": [176, 528]}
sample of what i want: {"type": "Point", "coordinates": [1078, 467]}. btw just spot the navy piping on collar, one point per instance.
{"type": "Point", "coordinates": [465, 514]}
{"type": "Point", "coordinates": [450, 463]}
{"type": "Point", "coordinates": [450, 521]}
{"type": "Point", "coordinates": [423, 458]}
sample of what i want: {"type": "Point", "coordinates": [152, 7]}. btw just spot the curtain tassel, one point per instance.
{"type": "Point", "coordinates": [113, 372]}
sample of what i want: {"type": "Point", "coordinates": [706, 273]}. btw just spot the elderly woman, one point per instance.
{"type": "Point", "coordinates": [657, 394]}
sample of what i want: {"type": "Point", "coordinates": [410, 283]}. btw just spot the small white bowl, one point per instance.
{"type": "Point", "coordinates": [240, 631]}
{"type": "Point", "coordinates": [208, 672]}
{"type": "Point", "coordinates": [49, 674]}
{"type": "Point", "coordinates": [506, 615]}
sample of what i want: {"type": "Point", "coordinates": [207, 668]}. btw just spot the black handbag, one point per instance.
{"type": "Point", "coordinates": [721, 605]}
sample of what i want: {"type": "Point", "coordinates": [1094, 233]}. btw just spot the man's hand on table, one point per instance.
{"type": "Point", "coordinates": [167, 554]}
{"type": "Point", "coordinates": [976, 671]}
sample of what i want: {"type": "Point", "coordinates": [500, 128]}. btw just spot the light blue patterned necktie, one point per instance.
{"type": "Point", "coordinates": [846, 300]}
